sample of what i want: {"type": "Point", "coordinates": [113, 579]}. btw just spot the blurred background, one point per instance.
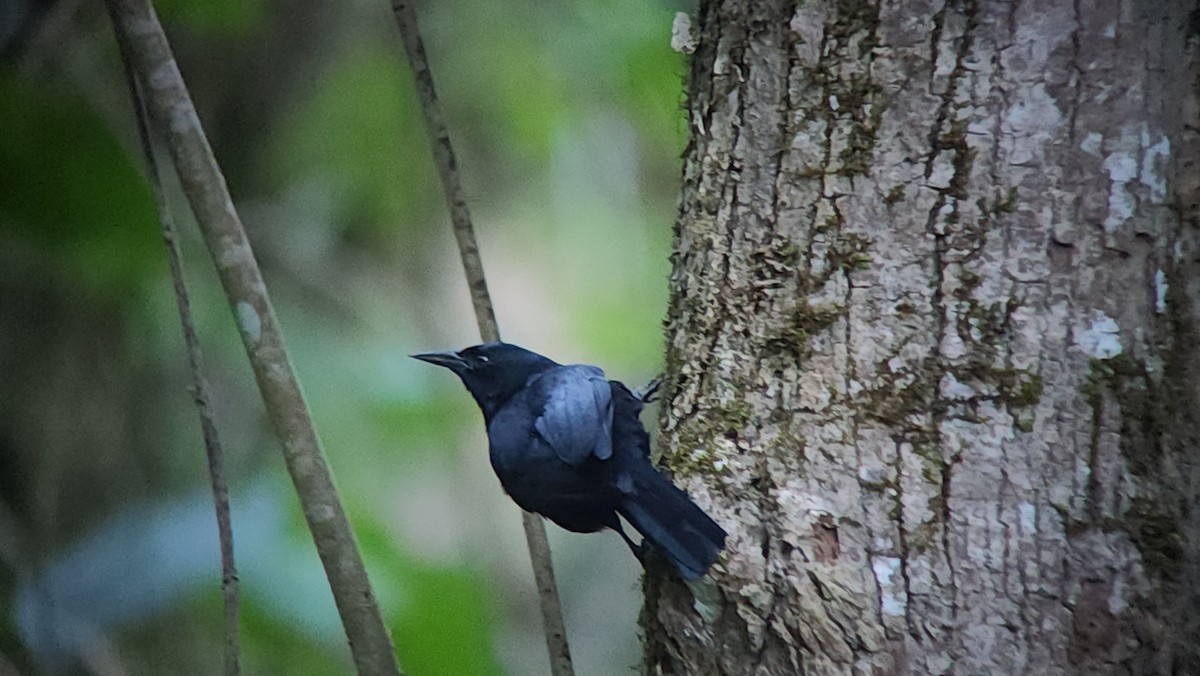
{"type": "Point", "coordinates": [568, 117]}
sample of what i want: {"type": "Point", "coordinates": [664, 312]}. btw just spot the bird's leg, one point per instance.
{"type": "Point", "coordinates": [633, 546]}
{"type": "Point", "coordinates": [649, 392]}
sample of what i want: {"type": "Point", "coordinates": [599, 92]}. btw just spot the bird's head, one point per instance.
{"type": "Point", "coordinates": [492, 372]}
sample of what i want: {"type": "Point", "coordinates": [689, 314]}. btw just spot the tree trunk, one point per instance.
{"type": "Point", "coordinates": [932, 341]}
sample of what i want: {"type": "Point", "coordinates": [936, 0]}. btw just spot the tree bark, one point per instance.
{"type": "Point", "coordinates": [931, 344]}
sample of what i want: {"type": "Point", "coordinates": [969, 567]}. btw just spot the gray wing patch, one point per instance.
{"type": "Point", "coordinates": [577, 419]}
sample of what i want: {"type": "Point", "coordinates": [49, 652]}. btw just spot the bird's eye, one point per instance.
{"type": "Point", "coordinates": [483, 359]}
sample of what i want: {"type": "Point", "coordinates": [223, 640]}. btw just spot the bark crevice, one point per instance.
{"type": "Point", "coordinates": [909, 235]}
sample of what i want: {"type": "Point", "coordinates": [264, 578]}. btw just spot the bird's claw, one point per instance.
{"type": "Point", "coordinates": [639, 552]}
{"type": "Point", "coordinates": [638, 549]}
{"type": "Point", "coordinates": [648, 393]}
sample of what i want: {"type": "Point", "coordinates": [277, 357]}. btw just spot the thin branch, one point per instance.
{"type": "Point", "coordinates": [200, 393]}
{"type": "Point", "coordinates": [447, 166]}
{"type": "Point", "coordinates": [172, 112]}
{"type": "Point", "coordinates": [555, 629]}
{"type": "Point", "coordinates": [464, 232]}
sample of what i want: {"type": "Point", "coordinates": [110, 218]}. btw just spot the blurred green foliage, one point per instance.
{"type": "Point", "coordinates": [569, 124]}
{"type": "Point", "coordinates": [224, 19]}
{"type": "Point", "coordinates": [70, 191]}
{"type": "Point", "coordinates": [361, 133]}
{"type": "Point", "coordinates": [443, 625]}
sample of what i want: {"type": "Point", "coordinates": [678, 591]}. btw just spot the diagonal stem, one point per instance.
{"type": "Point", "coordinates": [171, 111]}
{"type": "Point", "coordinates": [200, 393]}
{"type": "Point", "coordinates": [485, 315]}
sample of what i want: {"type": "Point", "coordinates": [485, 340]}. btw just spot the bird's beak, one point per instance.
{"type": "Point", "coordinates": [449, 359]}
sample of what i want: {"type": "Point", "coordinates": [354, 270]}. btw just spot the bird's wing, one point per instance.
{"type": "Point", "coordinates": [576, 420]}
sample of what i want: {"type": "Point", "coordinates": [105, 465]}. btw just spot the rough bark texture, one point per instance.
{"type": "Point", "coordinates": [932, 341]}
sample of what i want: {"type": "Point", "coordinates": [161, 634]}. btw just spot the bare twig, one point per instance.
{"type": "Point", "coordinates": [199, 389]}
{"type": "Point", "coordinates": [172, 113]}
{"type": "Point", "coordinates": [447, 166]}
{"type": "Point", "coordinates": [485, 316]}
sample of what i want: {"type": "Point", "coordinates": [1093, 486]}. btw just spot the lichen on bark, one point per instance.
{"type": "Point", "coordinates": [927, 349]}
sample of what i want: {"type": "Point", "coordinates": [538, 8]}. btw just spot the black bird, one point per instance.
{"type": "Point", "coordinates": [567, 443]}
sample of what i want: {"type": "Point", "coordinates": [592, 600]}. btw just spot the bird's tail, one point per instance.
{"type": "Point", "coordinates": [667, 517]}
